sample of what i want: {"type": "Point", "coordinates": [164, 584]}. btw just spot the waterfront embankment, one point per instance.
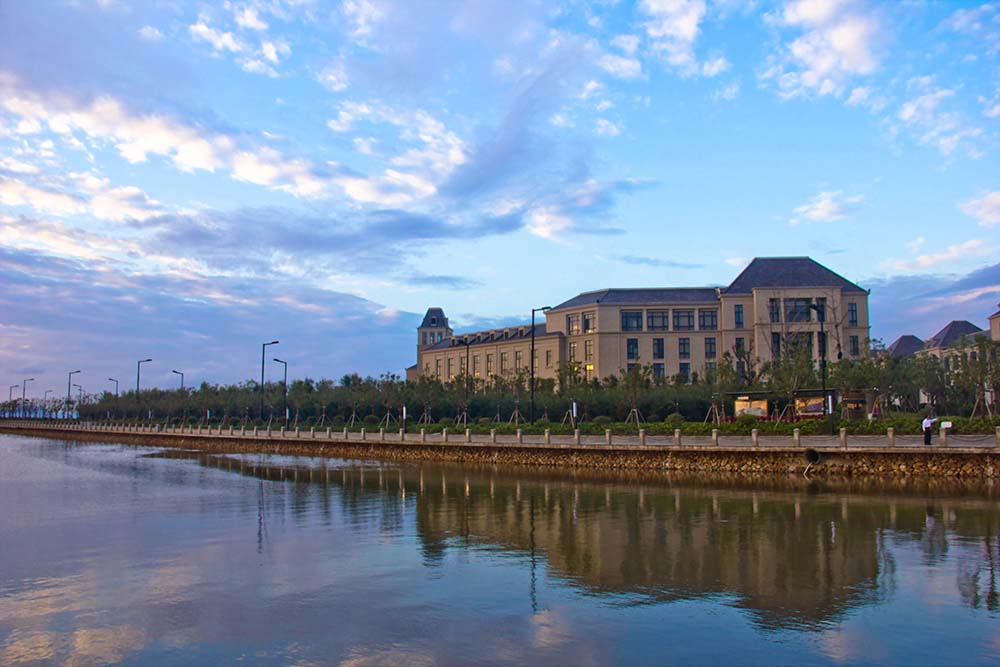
{"type": "Point", "coordinates": [968, 456]}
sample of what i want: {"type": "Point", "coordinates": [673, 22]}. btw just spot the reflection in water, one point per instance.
{"type": "Point", "coordinates": [378, 563]}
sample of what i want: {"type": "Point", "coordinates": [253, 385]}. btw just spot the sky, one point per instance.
{"type": "Point", "coordinates": [187, 180]}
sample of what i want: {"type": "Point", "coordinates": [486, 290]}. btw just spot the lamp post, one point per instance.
{"type": "Point", "coordinates": [284, 393]}
{"type": "Point", "coordinates": [821, 316]}
{"type": "Point", "coordinates": [69, 381]}
{"type": "Point", "coordinates": [10, 399]}
{"type": "Point", "coordinates": [116, 386]}
{"type": "Point", "coordinates": [23, 384]}
{"type": "Point", "coordinates": [531, 360]}
{"type": "Point", "coordinates": [138, 370]}
{"type": "Point", "coordinates": [263, 348]}
{"type": "Point", "coordinates": [79, 388]}
{"type": "Point", "coordinates": [182, 378]}
{"type": "Point", "coordinates": [45, 403]}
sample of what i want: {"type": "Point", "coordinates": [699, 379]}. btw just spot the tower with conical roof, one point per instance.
{"type": "Point", "coordinates": [433, 329]}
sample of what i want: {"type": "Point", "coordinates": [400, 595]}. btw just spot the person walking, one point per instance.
{"type": "Point", "coordinates": [928, 425]}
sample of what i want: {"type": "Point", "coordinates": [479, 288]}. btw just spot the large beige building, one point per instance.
{"type": "Point", "coordinates": [774, 303]}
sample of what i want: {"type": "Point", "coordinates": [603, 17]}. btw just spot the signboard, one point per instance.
{"type": "Point", "coordinates": [809, 406]}
{"type": "Point", "coordinates": [746, 406]}
{"type": "Point", "coordinates": [945, 424]}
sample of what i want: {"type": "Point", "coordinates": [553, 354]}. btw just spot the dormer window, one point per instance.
{"type": "Point", "coordinates": [434, 321]}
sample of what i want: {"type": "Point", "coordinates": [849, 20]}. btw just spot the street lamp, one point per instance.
{"type": "Point", "coordinates": [79, 388]}
{"type": "Point", "coordinates": [69, 380]}
{"type": "Point", "coordinates": [138, 370]}
{"type": "Point", "coordinates": [10, 398]}
{"type": "Point", "coordinates": [116, 385]}
{"type": "Point", "coordinates": [531, 361]}
{"type": "Point", "coordinates": [23, 383]}
{"type": "Point", "coordinates": [821, 316]}
{"type": "Point", "coordinates": [263, 347]}
{"type": "Point", "coordinates": [284, 386]}
{"type": "Point", "coordinates": [45, 403]}
{"type": "Point", "coordinates": [182, 378]}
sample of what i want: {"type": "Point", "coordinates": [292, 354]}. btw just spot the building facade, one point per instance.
{"type": "Point", "coordinates": [681, 333]}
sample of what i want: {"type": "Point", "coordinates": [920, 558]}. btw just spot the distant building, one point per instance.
{"type": "Point", "coordinates": [679, 331]}
{"type": "Point", "coordinates": [905, 346]}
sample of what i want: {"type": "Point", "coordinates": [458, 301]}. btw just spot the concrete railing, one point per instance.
{"type": "Point", "coordinates": [641, 439]}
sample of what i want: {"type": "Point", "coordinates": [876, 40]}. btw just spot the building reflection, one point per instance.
{"type": "Point", "coordinates": [790, 553]}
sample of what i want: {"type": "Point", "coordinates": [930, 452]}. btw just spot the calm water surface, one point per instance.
{"type": "Point", "coordinates": [112, 554]}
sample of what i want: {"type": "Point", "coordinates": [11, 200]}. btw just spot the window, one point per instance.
{"type": "Point", "coordinates": [434, 321]}
{"type": "Point", "coordinates": [821, 344]}
{"type": "Point", "coordinates": [504, 362]}
{"type": "Point", "coordinates": [631, 320]}
{"type": "Point", "coordinates": [710, 348]}
{"type": "Point", "coordinates": [588, 350]}
{"type": "Point", "coordinates": [573, 324]}
{"type": "Point", "coordinates": [740, 345]}
{"type": "Point", "coordinates": [799, 341]}
{"type": "Point", "coordinates": [659, 371]}
{"type": "Point", "coordinates": [775, 344]}
{"type": "Point", "coordinates": [589, 322]}
{"type": "Point", "coordinates": [708, 319]}
{"type": "Point", "coordinates": [797, 310]}
{"type": "Point", "coordinates": [686, 372]}
{"type": "Point", "coordinates": [448, 367]}
{"type": "Point", "coordinates": [684, 348]}
{"type": "Point", "coordinates": [475, 365]}
{"type": "Point", "coordinates": [855, 346]}
{"type": "Point", "coordinates": [852, 314]}
{"type": "Point", "coordinates": [548, 358]}
{"type": "Point", "coordinates": [683, 320]}
{"type": "Point", "coordinates": [518, 359]}
{"type": "Point", "coordinates": [440, 336]}
{"type": "Point", "coordinates": [657, 320]}
{"type": "Point", "coordinates": [774, 309]}
{"type": "Point", "coordinates": [489, 364]}
{"type": "Point", "coordinates": [947, 362]}
{"type": "Point", "coordinates": [738, 314]}
{"type": "Point", "coordinates": [657, 348]}
{"type": "Point", "coordinates": [461, 366]}
{"type": "Point", "coordinates": [437, 368]}
{"type": "Point", "coordinates": [709, 369]}
{"type": "Point", "coordinates": [572, 351]}
{"type": "Point", "coordinates": [424, 338]}
{"type": "Point", "coordinates": [534, 361]}
{"type": "Point", "coordinates": [631, 368]}
{"type": "Point", "coordinates": [741, 369]}
{"type": "Point", "coordinates": [632, 348]}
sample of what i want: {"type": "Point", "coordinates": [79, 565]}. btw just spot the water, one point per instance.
{"type": "Point", "coordinates": [112, 554]}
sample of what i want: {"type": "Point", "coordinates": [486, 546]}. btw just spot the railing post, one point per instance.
{"type": "Point", "coordinates": [402, 436]}
{"type": "Point", "coordinates": [345, 433]}
{"type": "Point", "coordinates": [423, 435]}
{"type": "Point", "coordinates": [364, 434]}
{"type": "Point", "coordinates": [607, 436]}
{"type": "Point", "coordinates": [576, 436]}
{"type": "Point", "coordinates": [312, 432]}
{"type": "Point", "coordinates": [715, 437]}
{"type": "Point", "coordinates": [381, 435]}
{"type": "Point", "coordinates": [493, 436]}
{"type": "Point", "coordinates": [944, 436]}
{"type": "Point", "coordinates": [547, 437]}
{"type": "Point", "coordinates": [998, 436]}
{"type": "Point", "coordinates": [281, 432]}
{"type": "Point", "coordinates": [797, 437]}
{"type": "Point", "coordinates": [255, 430]}
{"type": "Point", "coordinates": [520, 437]}
{"type": "Point", "coordinates": [890, 435]}
{"type": "Point", "coordinates": [843, 438]}
{"type": "Point", "coordinates": [444, 434]}
{"type": "Point", "coordinates": [642, 437]}
{"type": "Point", "coordinates": [754, 438]}
{"type": "Point", "coordinates": [677, 437]}
{"type": "Point", "coordinates": [468, 435]}
{"type": "Point", "coordinates": [329, 433]}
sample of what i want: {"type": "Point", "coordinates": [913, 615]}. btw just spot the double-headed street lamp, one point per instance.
{"type": "Point", "coordinates": [284, 386]}
{"type": "Point", "coordinates": [23, 383]}
{"type": "Point", "coordinates": [69, 382]}
{"type": "Point", "coordinates": [263, 349]}
{"type": "Point", "coordinates": [821, 316]}
{"type": "Point", "coordinates": [531, 361]}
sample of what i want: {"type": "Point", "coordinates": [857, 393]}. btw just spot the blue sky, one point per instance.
{"type": "Point", "coordinates": [183, 180]}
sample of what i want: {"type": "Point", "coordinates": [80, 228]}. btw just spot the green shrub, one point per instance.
{"type": "Point", "coordinates": [601, 420]}
{"type": "Point", "coordinates": [485, 422]}
{"type": "Point", "coordinates": [446, 422]}
{"type": "Point", "coordinates": [371, 420]}
{"type": "Point", "coordinates": [675, 419]}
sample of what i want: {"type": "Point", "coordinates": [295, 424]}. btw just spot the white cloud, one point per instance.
{"type": "Point", "coordinates": [220, 41]}
{"type": "Point", "coordinates": [590, 89]}
{"type": "Point", "coordinates": [606, 128]}
{"type": "Point", "coordinates": [560, 119]}
{"type": "Point", "coordinates": [247, 18]}
{"type": "Point", "coordinates": [727, 93]}
{"type": "Point", "coordinates": [334, 76]}
{"type": "Point", "coordinates": [826, 207]}
{"type": "Point", "coordinates": [737, 261]}
{"type": "Point", "coordinates": [365, 145]}
{"type": "Point", "coordinates": [714, 67]}
{"type": "Point", "coordinates": [348, 113]}
{"type": "Point", "coordinates": [14, 192]}
{"type": "Point", "coordinates": [913, 247]}
{"type": "Point", "coordinates": [16, 166]}
{"type": "Point", "coordinates": [627, 43]}
{"type": "Point", "coordinates": [986, 209]}
{"type": "Point", "coordinates": [838, 43]}
{"type": "Point", "coordinates": [275, 51]}
{"type": "Point", "coordinates": [672, 28]}
{"type": "Point", "coordinates": [363, 15]}
{"type": "Point", "coordinates": [623, 68]}
{"type": "Point", "coordinates": [150, 33]}
{"type": "Point", "coordinates": [945, 130]}
{"type": "Point", "coordinates": [107, 202]}
{"type": "Point", "coordinates": [958, 251]}
{"type": "Point", "coordinates": [604, 105]}
{"type": "Point", "coordinates": [547, 222]}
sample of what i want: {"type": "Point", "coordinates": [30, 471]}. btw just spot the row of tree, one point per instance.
{"type": "Point", "coordinates": [969, 383]}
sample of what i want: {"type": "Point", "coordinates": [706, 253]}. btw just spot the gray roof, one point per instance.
{"type": "Point", "coordinates": [905, 346]}
{"type": "Point", "coordinates": [442, 321]}
{"type": "Point", "coordinates": [952, 333]}
{"type": "Point", "coordinates": [778, 272]}
{"type": "Point", "coordinates": [643, 296]}
{"type": "Point", "coordinates": [518, 332]}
